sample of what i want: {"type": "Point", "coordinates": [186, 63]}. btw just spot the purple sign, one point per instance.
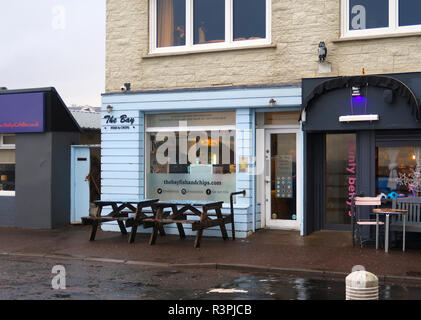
{"type": "Point", "coordinates": [22, 112]}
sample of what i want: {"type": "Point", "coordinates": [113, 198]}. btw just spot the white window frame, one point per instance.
{"type": "Point", "coordinates": [393, 29]}
{"type": "Point", "coordinates": [6, 146]}
{"type": "Point", "coordinates": [4, 193]}
{"type": "Point", "coordinates": [190, 46]}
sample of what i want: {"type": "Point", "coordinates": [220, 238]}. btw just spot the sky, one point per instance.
{"type": "Point", "coordinates": [54, 43]}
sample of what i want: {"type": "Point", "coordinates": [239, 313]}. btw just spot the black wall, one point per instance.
{"type": "Point", "coordinates": [322, 114]}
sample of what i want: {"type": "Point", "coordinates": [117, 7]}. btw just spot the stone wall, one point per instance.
{"type": "Point", "coordinates": [297, 29]}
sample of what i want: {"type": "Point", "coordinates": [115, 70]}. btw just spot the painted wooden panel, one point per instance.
{"type": "Point", "coordinates": [130, 144]}
{"type": "Point", "coordinates": [121, 159]}
{"type": "Point", "coordinates": [120, 167]}
{"type": "Point", "coordinates": [121, 152]}
{"type": "Point", "coordinates": [293, 94]}
{"type": "Point", "coordinates": [121, 175]}
{"type": "Point", "coordinates": [123, 190]}
{"type": "Point", "coordinates": [120, 182]}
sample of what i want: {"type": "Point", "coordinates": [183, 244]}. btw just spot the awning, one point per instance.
{"type": "Point", "coordinates": [398, 87]}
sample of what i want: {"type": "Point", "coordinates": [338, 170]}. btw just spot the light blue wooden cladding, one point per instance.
{"type": "Point", "coordinates": [219, 99]}
{"type": "Point", "coordinates": [123, 150]}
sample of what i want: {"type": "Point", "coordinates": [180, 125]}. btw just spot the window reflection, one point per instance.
{"type": "Point", "coordinates": [341, 182]}
{"type": "Point", "coordinates": [171, 23]}
{"type": "Point", "coordinates": [409, 12]}
{"type": "Point", "coordinates": [191, 165]}
{"type": "Point", "coordinates": [394, 163]}
{"type": "Point", "coordinates": [249, 19]}
{"type": "Point", "coordinates": [368, 14]}
{"type": "Point", "coordinates": [209, 21]}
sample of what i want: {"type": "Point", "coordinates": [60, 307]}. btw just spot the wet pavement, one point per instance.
{"type": "Point", "coordinates": [29, 278]}
{"type": "Point", "coordinates": [324, 252]}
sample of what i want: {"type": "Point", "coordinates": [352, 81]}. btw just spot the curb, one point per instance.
{"type": "Point", "coordinates": [308, 273]}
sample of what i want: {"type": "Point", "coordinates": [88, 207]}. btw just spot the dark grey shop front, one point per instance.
{"type": "Point", "coordinates": [360, 135]}
{"type": "Point", "coordinates": [43, 131]}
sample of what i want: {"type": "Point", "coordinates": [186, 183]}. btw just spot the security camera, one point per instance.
{"type": "Point", "coordinates": [123, 89]}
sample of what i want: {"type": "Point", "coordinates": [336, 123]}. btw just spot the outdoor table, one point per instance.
{"type": "Point", "coordinates": [117, 214]}
{"type": "Point", "coordinates": [180, 211]}
{"type": "Point", "coordinates": [387, 212]}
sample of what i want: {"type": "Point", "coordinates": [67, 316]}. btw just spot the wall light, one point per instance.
{"type": "Point", "coordinates": [272, 102]}
{"type": "Point", "coordinates": [109, 108]}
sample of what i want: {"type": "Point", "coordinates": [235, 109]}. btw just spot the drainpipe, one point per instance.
{"type": "Point", "coordinates": [253, 132]}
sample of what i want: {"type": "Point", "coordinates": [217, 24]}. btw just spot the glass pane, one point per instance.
{"type": "Point", "coordinates": [409, 12]}
{"type": "Point", "coordinates": [340, 177]}
{"type": "Point", "coordinates": [209, 21]}
{"type": "Point", "coordinates": [191, 165]}
{"type": "Point", "coordinates": [171, 23]}
{"type": "Point", "coordinates": [249, 19]}
{"type": "Point", "coordinates": [9, 139]}
{"type": "Point", "coordinates": [368, 14]}
{"type": "Point", "coordinates": [283, 176]}
{"type": "Point", "coordinates": [7, 177]}
{"type": "Point", "coordinates": [396, 171]}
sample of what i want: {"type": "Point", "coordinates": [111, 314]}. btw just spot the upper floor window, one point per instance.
{"type": "Point", "coordinates": [379, 17]}
{"type": "Point", "coordinates": [185, 25]}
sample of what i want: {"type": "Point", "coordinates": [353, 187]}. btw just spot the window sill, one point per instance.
{"type": "Point", "coordinates": [7, 193]}
{"type": "Point", "coordinates": [183, 53]}
{"type": "Point", "coordinates": [375, 37]}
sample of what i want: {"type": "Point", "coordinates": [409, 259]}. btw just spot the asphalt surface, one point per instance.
{"type": "Point", "coordinates": [30, 278]}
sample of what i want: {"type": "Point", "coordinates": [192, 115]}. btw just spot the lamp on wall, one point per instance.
{"type": "Point", "coordinates": [272, 102]}
{"type": "Point", "coordinates": [109, 108]}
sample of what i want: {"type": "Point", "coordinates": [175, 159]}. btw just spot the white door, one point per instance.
{"type": "Point", "coordinates": [283, 185]}
{"type": "Point", "coordinates": [81, 165]}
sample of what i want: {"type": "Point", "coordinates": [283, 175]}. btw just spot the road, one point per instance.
{"type": "Point", "coordinates": [29, 278]}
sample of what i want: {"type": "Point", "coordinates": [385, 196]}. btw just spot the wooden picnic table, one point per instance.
{"type": "Point", "coordinates": [182, 209]}
{"type": "Point", "coordinates": [120, 214]}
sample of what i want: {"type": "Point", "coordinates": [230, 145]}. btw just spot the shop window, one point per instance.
{"type": "Point", "coordinates": [341, 177]}
{"type": "Point", "coordinates": [380, 17]}
{"type": "Point", "coordinates": [7, 162]}
{"type": "Point", "coordinates": [180, 25]}
{"type": "Point", "coordinates": [192, 163]}
{"type": "Point", "coordinates": [398, 171]}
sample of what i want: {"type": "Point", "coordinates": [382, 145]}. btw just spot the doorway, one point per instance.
{"type": "Point", "coordinates": [283, 178]}
{"type": "Point", "coordinates": [85, 181]}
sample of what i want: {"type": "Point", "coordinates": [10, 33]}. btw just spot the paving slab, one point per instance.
{"type": "Point", "coordinates": [325, 251]}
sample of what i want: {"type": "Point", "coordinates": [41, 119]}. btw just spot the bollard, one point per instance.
{"type": "Point", "coordinates": [362, 285]}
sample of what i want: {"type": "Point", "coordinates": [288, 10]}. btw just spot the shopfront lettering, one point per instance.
{"type": "Point", "coordinates": [352, 180]}
{"type": "Point", "coordinates": [124, 119]}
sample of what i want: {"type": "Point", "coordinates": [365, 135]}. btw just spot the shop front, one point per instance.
{"type": "Point", "coordinates": [36, 131]}
{"type": "Point", "coordinates": [362, 135]}
{"type": "Point", "coordinates": [204, 145]}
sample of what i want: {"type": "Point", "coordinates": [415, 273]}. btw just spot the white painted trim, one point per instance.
{"type": "Point", "coordinates": [229, 33]}
{"type": "Point", "coordinates": [393, 28]}
{"type": "Point", "coordinates": [4, 193]}
{"type": "Point", "coordinates": [286, 224]}
{"type": "Point", "coordinates": [192, 128]}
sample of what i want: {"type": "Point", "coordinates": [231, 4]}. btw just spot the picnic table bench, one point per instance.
{"type": "Point", "coordinates": [120, 214]}
{"type": "Point", "coordinates": [179, 212]}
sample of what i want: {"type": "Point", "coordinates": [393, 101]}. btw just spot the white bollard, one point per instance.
{"type": "Point", "coordinates": [362, 285]}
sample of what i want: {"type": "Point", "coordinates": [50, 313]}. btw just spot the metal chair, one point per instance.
{"type": "Point", "coordinates": [356, 221]}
